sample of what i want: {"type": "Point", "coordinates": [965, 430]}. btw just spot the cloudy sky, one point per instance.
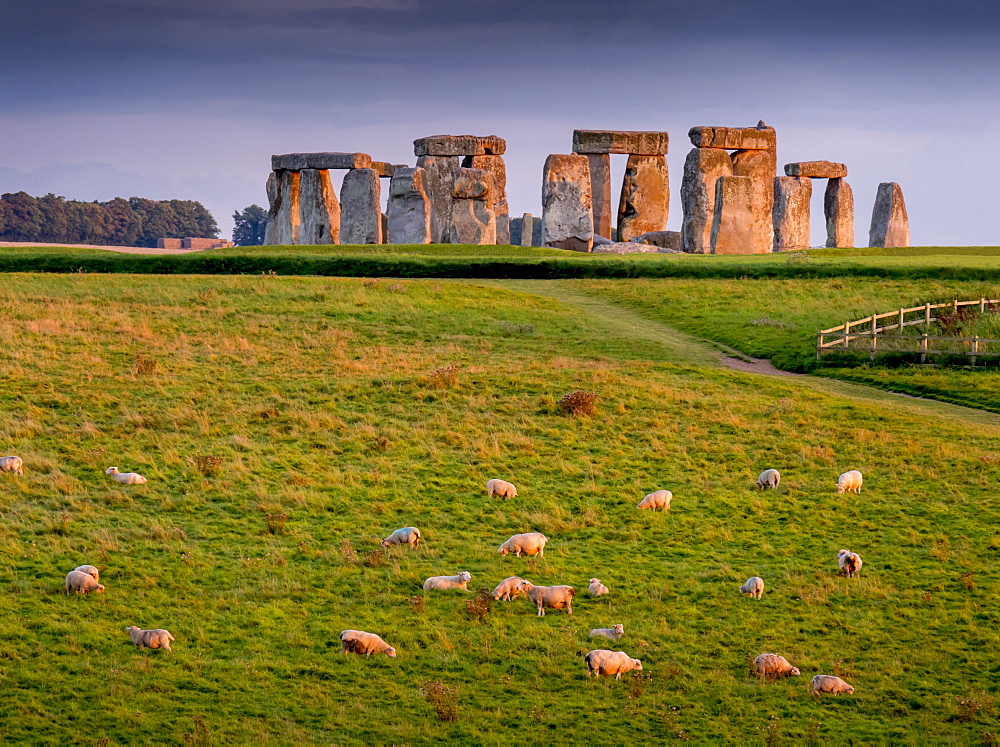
{"type": "Point", "coordinates": [188, 98]}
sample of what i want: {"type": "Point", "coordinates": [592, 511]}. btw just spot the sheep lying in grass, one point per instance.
{"type": "Point", "coordinates": [89, 570]}
{"type": "Point", "coordinates": [612, 634]}
{"type": "Point", "coordinates": [601, 661]}
{"type": "Point", "coordinates": [82, 583]}
{"type": "Point", "coordinates": [444, 583]}
{"type": "Point", "coordinates": [508, 589]}
{"type": "Point", "coordinates": [405, 536]}
{"type": "Point", "coordinates": [754, 586]}
{"type": "Point", "coordinates": [125, 478]}
{"type": "Point", "coordinates": [596, 588]}
{"type": "Point", "coordinates": [659, 499]}
{"type": "Point", "coordinates": [529, 543]}
{"type": "Point", "coordinates": [553, 597]}
{"type": "Point", "coordinates": [827, 683]}
{"type": "Point", "coordinates": [849, 562]}
{"type": "Point", "coordinates": [849, 482]}
{"type": "Point", "coordinates": [501, 488]}
{"type": "Point", "coordinates": [772, 665]}
{"type": "Point", "coordinates": [158, 638]}
{"type": "Point", "coordinates": [12, 464]}
{"type": "Point", "coordinates": [769, 478]}
{"type": "Point", "coordinates": [360, 642]}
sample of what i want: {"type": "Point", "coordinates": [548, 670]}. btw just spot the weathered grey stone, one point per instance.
{"type": "Point", "coordinates": [733, 220]}
{"type": "Point", "coordinates": [460, 145]}
{"type": "Point", "coordinates": [662, 239]}
{"type": "Point", "coordinates": [319, 208]}
{"type": "Point", "coordinates": [733, 138]}
{"type": "Point", "coordinates": [439, 177]}
{"type": "Point", "coordinates": [536, 232]}
{"type": "Point", "coordinates": [567, 220]}
{"type": "Point", "coordinates": [383, 169]}
{"type": "Point", "coordinates": [838, 209]}
{"type": "Point", "coordinates": [527, 229]}
{"type": "Point", "coordinates": [409, 208]}
{"type": "Point", "coordinates": [385, 229]}
{"type": "Point", "coordinates": [498, 170]}
{"type": "Point", "coordinates": [890, 224]}
{"type": "Point", "coordinates": [645, 198]}
{"type": "Point", "coordinates": [621, 141]}
{"type": "Point", "coordinates": [284, 214]}
{"type": "Point", "coordinates": [791, 212]}
{"type": "Point", "coordinates": [601, 240]}
{"type": "Point", "coordinates": [472, 219]}
{"type": "Point", "coordinates": [271, 228]}
{"type": "Point", "coordinates": [600, 191]}
{"type": "Point", "coordinates": [816, 169]}
{"type": "Point", "coordinates": [360, 212]}
{"type": "Point", "coordinates": [702, 168]}
{"type": "Point", "coordinates": [761, 166]}
{"type": "Point", "coordinates": [320, 161]}
{"type": "Point", "coordinates": [625, 247]}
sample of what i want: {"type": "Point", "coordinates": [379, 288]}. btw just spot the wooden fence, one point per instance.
{"type": "Point", "coordinates": [870, 334]}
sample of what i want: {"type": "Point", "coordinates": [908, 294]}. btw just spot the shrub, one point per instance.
{"type": "Point", "coordinates": [145, 365]}
{"type": "Point", "coordinates": [578, 402]}
{"type": "Point", "coordinates": [347, 550]}
{"type": "Point", "coordinates": [418, 603]}
{"type": "Point", "coordinates": [375, 558]}
{"type": "Point", "coordinates": [207, 464]}
{"type": "Point", "coordinates": [443, 699]}
{"type": "Point", "coordinates": [275, 523]}
{"type": "Point", "coordinates": [443, 377]}
{"type": "Point", "coordinates": [478, 608]}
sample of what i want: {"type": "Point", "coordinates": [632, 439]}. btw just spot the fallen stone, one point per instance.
{"type": "Point", "coordinates": [284, 214]}
{"type": "Point", "coordinates": [527, 229]}
{"type": "Point", "coordinates": [589, 142]}
{"type": "Point", "coordinates": [496, 167]}
{"type": "Point", "coordinates": [663, 239]}
{"type": "Point", "coordinates": [890, 224]}
{"type": "Point", "coordinates": [567, 221]}
{"type": "Point", "coordinates": [645, 197]}
{"type": "Point", "coordinates": [733, 138]}
{"type": "Point", "coordinates": [791, 212]}
{"type": "Point", "coordinates": [460, 145]}
{"type": "Point", "coordinates": [600, 192]}
{"type": "Point", "coordinates": [360, 212]}
{"type": "Point", "coordinates": [601, 240]}
{"type": "Point", "coordinates": [761, 166]}
{"type": "Point", "coordinates": [320, 161]}
{"type": "Point", "coordinates": [319, 208]}
{"type": "Point", "coordinates": [816, 169]}
{"type": "Point", "coordinates": [702, 169]}
{"type": "Point", "coordinates": [625, 247]}
{"type": "Point", "coordinates": [838, 209]}
{"type": "Point", "coordinates": [409, 208]}
{"type": "Point", "coordinates": [733, 220]}
{"type": "Point", "coordinates": [439, 177]}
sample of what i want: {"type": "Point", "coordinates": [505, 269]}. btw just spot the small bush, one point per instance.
{"type": "Point", "coordinates": [443, 699]}
{"type": "Point", "coordinates": [637, 684]}
{"type": "Point", "coordinates": [968, 580]}
{"type": "Point", "coordinates": [347, 551]}
{"type": "Point", "coordinates": [578, 402]}
{"type": "Point", "coordinates": [375, 558]}
{"type": "Point", "coordinates": [144, 365]}
{"type": "Point", "coordinates": [970, 705]}
{"type": "Point", "coordinates": [275, 523]}
{"type": "Point", "coordinates": [479, 607]}
{"type": "Point", "coordinates": [443, 377]}
{"type": "Point", "coordinates": [418, 603]}
{"type": "Point", "coordinates": [207, 464]}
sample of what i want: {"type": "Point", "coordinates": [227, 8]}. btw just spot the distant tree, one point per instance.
{"type": "Point", "coordinates": [249, 226]}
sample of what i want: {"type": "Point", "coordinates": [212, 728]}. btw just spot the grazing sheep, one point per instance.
{"type": "Point", "coordinates": [772, 665]}
{"type": "Point", "coordinates": [769, 478]}
{"type": "Point", "coordinates": [601, 661]}
{"type": "Point", "coordinates": [360, 642]}
{"type": "Point", "coordinates": [612, 634]}
{"type": "Point", "coordinates": [12, 464]}
{"type": "Point", "coordinates": [508, 589]}
{"type": "Point", "coordinates": [849, 482]}
{"type": "Point", "coordinates": [125, 478]}
{"type": "Point", "coordinates": [501, 488]}
{"type": "Point", "coordinates": [444, 583]}
{"type": "Point", "coordinates": [89, 570]}
{"type": "Point", "coordinates": [405, 536]}
{"type": "Point", "coordinates": [659, 499]}
{"type": "Point", "coordinates": [596, 588]}
{"type": "Point", "coordinates": [82, 583]}
{"type": "Point", "coordinates": [158, 638]}
{"type": "Point", "coordinates": [849, 562]}
{"type": "Point", "coordinates": [754, 586]}
{"type": "Point", "coordinates": [530, 543]}
{"type": "Point", "coordinates": [827, 683]}
{"type": "Point", "coordinates": [554, 597]}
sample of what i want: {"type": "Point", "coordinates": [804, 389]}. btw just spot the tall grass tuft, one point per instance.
{"type": "Point", "coordinates": [442, 698]}
{"type": "Point", "coordinates": [275, 523]}
{"type": "Point", "coordinates": [207, 464]}
{"type": "Point", "coordinates": [479, 607]}
{"type": "Point", "coordinates": [145, 365]}
{"type": "Point", "coordinates": [578, 403]}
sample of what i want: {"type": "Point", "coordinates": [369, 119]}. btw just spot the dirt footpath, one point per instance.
{"type": "Point", "coordinates": [123, 249]}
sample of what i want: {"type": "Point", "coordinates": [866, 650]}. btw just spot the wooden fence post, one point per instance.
{"type": "Point", "coordinates": [901, 320]}
{"type": "Point", "coordinates": [923, 348]}
{"type": "Point", "coordinates": [927, 314]}
{"type": "Point", "coordinates": [975, 349]}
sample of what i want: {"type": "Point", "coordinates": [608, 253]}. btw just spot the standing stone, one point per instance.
{"type": "Point", "coordinates": [838, 209]}
{"type": "Point", "coordinates": [890, 225]}
{"type": "Point", "coordinates": [271, 228]}
{"type": "Point", "coordinates": [761, 166]}
{"type": "Point", "coordinates": [791, 212]}
{"type": "Point", "coordinates": [645, 198]}
{"type": "Point", "coordinates": [733, 222]}
{"type": "Point", "coordinates": [409, 208]}
{"type": "Point", "coordinates": [527, 229]}
{"type": "Point", "coordinates": [472, 218]}
{"type": "Point", "coordinates": [600, 192]}
{"type": "Point", "coordinates": [498, 169]}
{"type": "Point", "coordinates": [439, 178]}
{"type": "Point", "coordinates": [360, 212]}
{"type": "Point", "coordinates": [284, 214]}
{"type": "Point", "coordinates": [567, 220]}
{"type": "Point", "coordinates": [702, 169]}
{"type": "Point", "coordinates": [319, 208]}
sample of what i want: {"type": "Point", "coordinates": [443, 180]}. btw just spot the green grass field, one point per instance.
{"type": "Point", "coordinates": [353, 407]}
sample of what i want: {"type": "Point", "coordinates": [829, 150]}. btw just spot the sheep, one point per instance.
{"type": "Point", "coordinates": [89, 570]}
{"type": "Point", "coordinates": [612, 634]}
{"type": "Point", "coordinates": [827, 683]}
{"type": "Point", "coordinates": [596, 588]}
{"type": "Point", "coordinates": [769, 478]}
{"type": "Point", "coordinates": [405, 536]}
{"type": "Point", "coordinates": [82, 583]}
{"type": "Point", "coordinates": [530, 543]}
{"type": "Point", "coordinates": [772, 665]}
{"type": "Point", "coordinates": [849, 562]}
{"type": "Point", "coordinates": [601, 661]}
{"type": "Point", "coordinates": [444, 583]}
{"type": "Point", "coordinates": [508, 589]}
{"type": "Point", "coordinates": [754, 586]}
{"type": "Point", "coordinates": [125, 478]}
{"type": "Point", "coordinates": [659, 499]}
{"type": "Point", "coordinates": [501, 488]}
{"type": "Point", "coordinates": [849, 482]}
{"type": "Point", "coordinates": [157, 638]}
{"type": "Point", "coordinates": [12, 464]}
{"type": "Point", "coordinates": [555, 597]}
{"type": "Point", "coordinates": [360, 642]}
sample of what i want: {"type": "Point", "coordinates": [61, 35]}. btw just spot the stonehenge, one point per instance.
{"type": "Point", "coordinates": [890, 225]}
{"type": "Point", "coordinates": [567, 214]}
{"type": "Point", "coordinates": [472, 219]}
{"type": "Point", "coordinates": [361, 212]}
{"type": "Point", "coordinates": [408, 213]}
{"type": "Point", "coordinates": [791, 212]}
{"type": "Point", "coordinates": [838, 203]}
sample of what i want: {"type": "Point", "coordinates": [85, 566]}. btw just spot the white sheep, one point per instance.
{"type": "Point", "coordinates": [754, 586]}
{"type": "Point", "coordinates": [849, 562]}
{"type": "Point", "coordinates": [849, 482]}
{"type": "Point", "coordinates": [501, 488]}
{"type": "Point", "coordinates": [553, 597]}
{"type": "Point", "coordinates": [612, 634]}
{"type": "Point", "coordinates": [12, 464]}
{"type": "Point", "coordinates": [659, 499]}
{"type": "Point", "coordinates": [529, 543]}
{"type": "Point", "coordinates": [827, 683]}
{"type": "Point", "coordinates": [596, 588]}
{"type": "Point", "coordinates": [772, 665]}
{"type": "Point", "coordinates": [444, 583]}
{"type": "Point", "coordinates": [769, 478]}
{"type": "Point", "coordinates": [89, 570]}
{"type": "Point", "coordinates": [601, 661]}
{"type": "Point", "coordinates": [82, 583]}
{"type": "Point", "coordinates": [360, 642]}
{"type": "Point", "coordinates": [157, 638]}
{"type": "Point", "coordinates": [125, 478]}
{"type": "Point", "coordinates": [508, 589]}
{"type": "Point", "coordinates": [405, 536]}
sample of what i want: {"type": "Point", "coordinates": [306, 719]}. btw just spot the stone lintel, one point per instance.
{"type": "Point", "coordinates": [320, 161]}
{"type": "Point", "coordinates": [636, 143]}
{"type": "Point", "coordinates": [460, 145]}
{"type": "Point", "coordinates": [816, 169]}
{"type": "Point", "coordinates": [733, 138]}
